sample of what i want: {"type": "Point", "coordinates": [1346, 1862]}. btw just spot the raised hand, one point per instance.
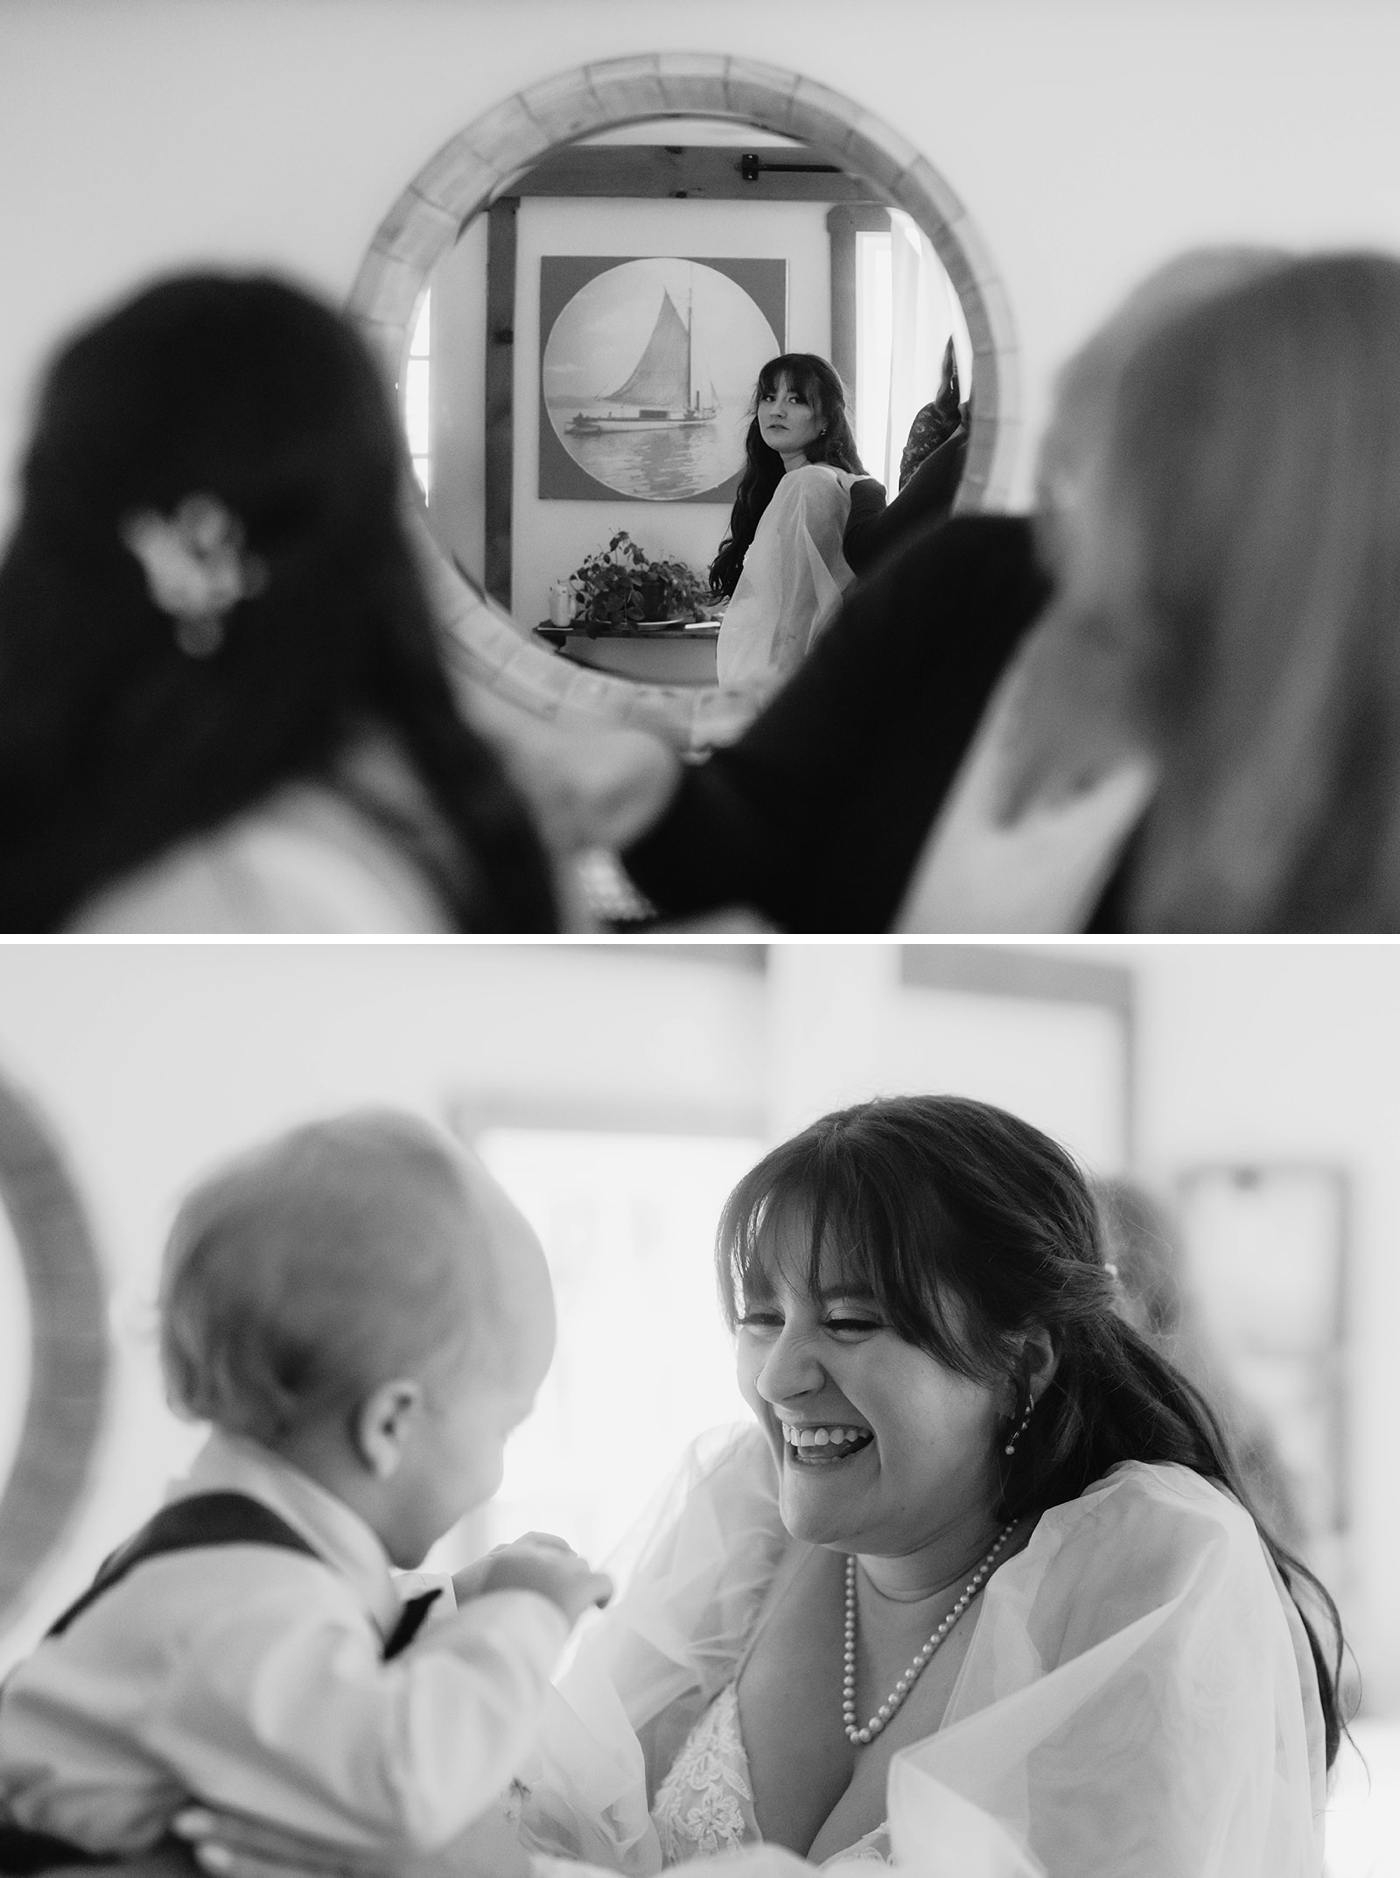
{"type": "Point", "coordinates": [542, 1562]}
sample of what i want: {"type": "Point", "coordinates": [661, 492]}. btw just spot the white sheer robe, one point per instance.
{"type": "Point", "coordinates": [1044, 871]}
{"type": "Point", "coordinates": [793, 577]}
{"type": "Point", "coordinates": [1138, 1700]}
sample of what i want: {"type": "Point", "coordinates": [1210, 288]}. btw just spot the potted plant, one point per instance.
{"type": "Point", "coordinates": [621, 589]}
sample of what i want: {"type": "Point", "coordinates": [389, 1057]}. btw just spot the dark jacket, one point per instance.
{"type": "Point", "coordinates": [816, 816]}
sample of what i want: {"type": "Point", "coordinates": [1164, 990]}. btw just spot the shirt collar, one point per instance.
{"type": "Point", "coordinates": [228, 1463]}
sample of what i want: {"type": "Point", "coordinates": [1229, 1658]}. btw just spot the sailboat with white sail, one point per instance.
{"type": "Point", "coordinates": [668, 388]}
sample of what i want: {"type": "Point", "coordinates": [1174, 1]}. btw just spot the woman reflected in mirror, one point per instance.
{"type": "Point", "coordinates": [781, 566]}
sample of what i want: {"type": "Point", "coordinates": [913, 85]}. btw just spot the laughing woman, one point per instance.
{"type": "Point", "coordinates": [980, 1596]}
{"type": "Point", "coordinates": [781, 562]}
{"type": "Point", "coordinates": [984, 1576]}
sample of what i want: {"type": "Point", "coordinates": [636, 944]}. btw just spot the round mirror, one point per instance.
{"type": "Point", "coordinates": [575, 296]}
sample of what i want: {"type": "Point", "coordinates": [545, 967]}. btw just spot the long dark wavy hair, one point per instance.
{"type": "Point", "coordinates": [114, 743]}
{"type": "Point", "coordinates": [808, 374]}
{"type": "Point", "coordinates": [972, 1228]}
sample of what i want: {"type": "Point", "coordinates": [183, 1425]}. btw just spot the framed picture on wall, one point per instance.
{"type": "Point", "coordinates": [647, 368]}
{"type": "Point", "coordinates": [1265, 1267]}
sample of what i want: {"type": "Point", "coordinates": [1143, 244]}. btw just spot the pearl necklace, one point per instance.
{"type": "Point", "coordinates": [861, 1737]}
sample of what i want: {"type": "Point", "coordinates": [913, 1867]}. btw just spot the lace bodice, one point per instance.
{"type": "Point", "coordinates": [705, 1804]}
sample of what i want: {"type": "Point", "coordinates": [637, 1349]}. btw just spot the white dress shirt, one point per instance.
{"type": "Point", "coordinates": [251, 1677]}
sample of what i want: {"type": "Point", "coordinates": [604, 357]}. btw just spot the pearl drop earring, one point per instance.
{"type": "Point", "coordinates": [1010, 1447]}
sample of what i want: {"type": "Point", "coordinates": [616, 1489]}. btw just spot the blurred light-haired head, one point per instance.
{"type": "Point", "coordinates": [1244, 533]}
{"type": "Point", "coordinates": [1089, 380]}
{"type": "Point", "coordinates": [1071, 716]}
{"type": "Point", "coordinates": [305, 1273]}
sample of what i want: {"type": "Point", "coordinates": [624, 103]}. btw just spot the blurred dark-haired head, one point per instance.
{"type": "Point", "coordinates": [255, 398]}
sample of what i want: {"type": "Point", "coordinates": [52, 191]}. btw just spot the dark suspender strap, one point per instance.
{"type": "Point", "coordinates": [203, 1519]}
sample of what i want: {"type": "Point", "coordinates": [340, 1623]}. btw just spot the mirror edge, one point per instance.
{"type": "Point", "coordinates": [60, 1437]}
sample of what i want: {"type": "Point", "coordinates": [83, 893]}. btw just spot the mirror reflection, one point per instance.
{"type": "Point", "coordinates": [585, 362]}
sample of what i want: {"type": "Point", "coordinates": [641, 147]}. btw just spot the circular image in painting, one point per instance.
{"type": "Point", "coordinates": [647, 375]}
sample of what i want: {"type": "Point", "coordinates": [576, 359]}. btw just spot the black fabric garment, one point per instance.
{"type": "Point", "coordinates": [199, 1520]}
{"type": "Point", "coordinates": [816, 816]}
{"type": "Point", "coordinates": [23, 1852]}
{"type": "Point", "coordinates": [875, 529]}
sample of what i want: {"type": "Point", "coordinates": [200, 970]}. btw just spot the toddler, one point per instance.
{"type": "Point", "coordinates": [362, 1316]}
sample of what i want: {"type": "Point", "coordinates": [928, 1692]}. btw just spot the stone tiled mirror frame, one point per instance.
{"type": "Point", "coordinates": [480, 163]}
{"type": "Point", "coordinates": [70, 1354]}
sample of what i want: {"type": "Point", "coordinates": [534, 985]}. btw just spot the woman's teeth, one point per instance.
{"type": "Point", "coordinates": [831, 1441]}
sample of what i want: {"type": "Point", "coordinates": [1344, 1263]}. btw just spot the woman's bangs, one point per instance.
{"type": "Point", "coordinates": [807, 382]}
{"type": "Point", "coordinates": [769, 379]}
{"type": "Point", "coordinates": [794, 370]}
{"type": "Point", "coordinates": [825, 1210]}
{"type": "Point", "coordinates": [777, 1200]}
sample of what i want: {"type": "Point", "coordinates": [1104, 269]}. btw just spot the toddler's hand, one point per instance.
{"type": "Point", "coordinates": [539, 1562]}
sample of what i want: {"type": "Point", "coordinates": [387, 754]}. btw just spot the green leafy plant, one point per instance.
{"type": "Point", "coordinates": [620, 589]}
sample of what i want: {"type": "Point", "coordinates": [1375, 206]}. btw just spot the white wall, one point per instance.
{"type": "Point", "coordinates": [1088, 140]}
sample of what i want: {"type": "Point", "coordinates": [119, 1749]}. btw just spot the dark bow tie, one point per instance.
{"type": "Point", "coordinates": [410, 1622]}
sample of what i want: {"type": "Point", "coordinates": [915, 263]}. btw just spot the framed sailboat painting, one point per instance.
{"type": "Point", "coordinates": [647, 368]}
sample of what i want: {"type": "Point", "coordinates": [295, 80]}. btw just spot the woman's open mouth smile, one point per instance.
{"type": "Point", "coordinates": [822, 1444]}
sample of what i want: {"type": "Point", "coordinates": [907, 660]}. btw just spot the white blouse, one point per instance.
{"type": "Point", "coordinates": [793, 577]}
{"type": "Point", "coordinates": [307, 859]}
{"type": "Point", "coordinates": [1138, 1699]}
{"type": "Point", "coordinates": [1043, 870]}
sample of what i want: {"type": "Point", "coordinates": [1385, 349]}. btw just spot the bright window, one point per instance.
{"type": "Point", "coordinates": [415, 396]}
{"type": "Point", "coordinates": [874, 329]}
{"type": "Point", "coordinates": [643, 1363]}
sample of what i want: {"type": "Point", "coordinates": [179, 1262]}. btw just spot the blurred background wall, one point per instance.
{"type": "Point", "coordinates": [1088, 141]}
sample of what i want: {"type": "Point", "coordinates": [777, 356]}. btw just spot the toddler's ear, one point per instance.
{"type": "Point", "coordinates": [384, 1424]}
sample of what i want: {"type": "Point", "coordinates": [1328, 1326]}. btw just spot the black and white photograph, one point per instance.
{"type": "Point", "coordinates": [680, 343]}
{"type": "Point", "coordinates": [699, 938]}
{"type": "Point", "coordinates": [1028, 1305]}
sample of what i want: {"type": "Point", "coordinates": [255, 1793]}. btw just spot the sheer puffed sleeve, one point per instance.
{"type": "Point", "coordinates": [793, 577]}
{"type": "Point", "coordinates": [693, 1576]}
{"type": "Point", "coordinates": [1138, 1701]}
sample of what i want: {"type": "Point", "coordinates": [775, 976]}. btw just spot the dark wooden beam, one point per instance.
{"type": "Point", "coordinates": [788, 173]}
{"type": "Point", "coordinates": [500, 394]}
